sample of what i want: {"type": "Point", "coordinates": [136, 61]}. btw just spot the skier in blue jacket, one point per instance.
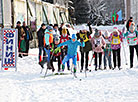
{"type": "Point", "coordinates": [72, 51]}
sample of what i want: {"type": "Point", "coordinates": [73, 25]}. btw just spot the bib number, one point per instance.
{"type": "Point", "coordinates": [115, 41]}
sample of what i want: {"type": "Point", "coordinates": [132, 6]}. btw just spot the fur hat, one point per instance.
{"type": "Point", "coordinates": [64, 31]}
{"type": "Point", "coordinates": [132, 26]}
{"type": "Point", "coordinates": [106, 34]}
{"type": "Point", "coordinates": [115, 29]}
{"type": "Point", "coordinates": [83, 27]}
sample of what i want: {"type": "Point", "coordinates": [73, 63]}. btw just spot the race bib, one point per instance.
{"type": "Point", "coordinates": [98, 42]}
{"type": "Point", "coordinates": [115, 41]}
{"type": "Point", "coordinates": [132, 41]}
{"type": "Point", "coordinates": [131, 35]}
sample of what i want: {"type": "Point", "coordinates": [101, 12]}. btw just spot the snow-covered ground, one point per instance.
{"type": "Point", "coordinates": [27, 85]}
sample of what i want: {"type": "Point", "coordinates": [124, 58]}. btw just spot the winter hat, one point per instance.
{"type": "Point", "coordinates": [115, 30]}
{"type": "Point", "coordinates": [64, 31]}
{"type": "Point", "coordinates": [49, 28]}
{"type": "Point", "coordinates": [106, 34]}
{"type": "Point", "coordinates": [18, 22]}
{"type": "Point", "coordinates": [83, 27]}
{"type": "Point", "coordinates": [132, 26]}
{"type": "Point", "coordinates": [74, 36]}
{"type": "Point", "coordinates": [56, 38]}
{"type": "Point", "coordinates": [96, 32]}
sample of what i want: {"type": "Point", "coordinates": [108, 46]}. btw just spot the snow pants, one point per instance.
{"type": "Point", "coordinates": [96, 57]}
{"type": "Point", "coordinates": [131, 49]}
{"type": "Point", "coordinates": [116, 54]}
{"type": "Point", "coordinates": [86, 59]}
{"type": "Point", "coordinates": [41, 49]}
{"type": "Point", "coordinates": [67, 57]}
{"type": "Point", "coordinates": [107, 57]}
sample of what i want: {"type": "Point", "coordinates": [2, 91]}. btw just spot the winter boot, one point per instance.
{"type": "Point", "coordinates": [105, 68]}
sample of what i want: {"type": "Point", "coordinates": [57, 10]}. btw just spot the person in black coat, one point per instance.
{"type": "Point", "coordinates": [128, 23]}
{"type": "Point", "coordinates": [40, 35]}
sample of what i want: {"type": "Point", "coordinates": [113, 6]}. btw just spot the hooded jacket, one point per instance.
{"type": "Point", "coordinates": [72, 46]}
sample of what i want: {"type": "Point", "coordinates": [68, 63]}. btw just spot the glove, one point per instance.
{"type": "Point", "coordinates": [88, 23]}
{"type": "Point", "coordinates": [81, 40]}
{"type": "Point", "coordinates": [95, 45]}
{"type": "Point", "coordinates": [102, 47]}
{"type": "Point", "coordinates": [47, 47]}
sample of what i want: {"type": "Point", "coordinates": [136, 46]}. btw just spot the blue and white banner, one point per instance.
{"type": "Point", "coordinates": [9, 48]}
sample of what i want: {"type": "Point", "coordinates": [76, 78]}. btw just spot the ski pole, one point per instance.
{"type": "Point", "coordinates": [91, 60]}
{"type": "Point", "coordinates": [125, 54]}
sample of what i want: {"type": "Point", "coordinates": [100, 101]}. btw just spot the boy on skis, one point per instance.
{"type": "Point", "coordinates": [48, 39]}
{"type": "Point", "coordinates": [72, 51]}
{"type": "Point", "coordinates": [55, 53]}
{"type": "Point", "coordinates": [132, 39]}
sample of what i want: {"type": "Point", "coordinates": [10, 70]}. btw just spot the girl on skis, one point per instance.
{"type": "Point", "coordinates": [98, 44]}
{"type": "Point", "coordinates": [72, 51]}
{"type": "Point", "coordinates": [132, 39]}
{"type": "Point", "coordinates": [107, 51]}
{"type": "Point", "coordinates": [115, 38]}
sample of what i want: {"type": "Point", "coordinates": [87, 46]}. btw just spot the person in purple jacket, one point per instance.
{"type": "Point", "coordinates": [116, 38]}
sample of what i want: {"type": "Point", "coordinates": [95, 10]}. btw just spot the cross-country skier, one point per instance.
{"type": "Point", "coordinates": [64, 38]}
{"type": "Point", "coordinates": [84, 34]}
{"type": "Point", "coordinates": [116, 38]}
{"type": "Point", "coordinates": [48, 39]}
{"type": "Point", "coordinates": [107, 51]}
{"type": "Point", "coordinates": [132, 39]}
{"type": "Point", "coordinates": [55, 53]}
{"type": "Point", "coordinates": [98, 44]}
{"type": "Point", "coordinates": [72, 51]}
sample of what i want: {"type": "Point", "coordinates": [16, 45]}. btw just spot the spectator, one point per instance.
{"type": "Point", "coordinates": [129, 23]}
{"type": "Point", "coordinates": [40, 35]}
{"type": "Point", "coordinates": [21, 34]}
{"type": "Point", "coordinates": [55, 30]}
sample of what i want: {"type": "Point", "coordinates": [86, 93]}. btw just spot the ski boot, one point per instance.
{"type": "Point", "coordinates": [63, 67]}
{"type": "Point", "coordinates": [131, 66]}
{"type": "Point", "coordinates": [119, 68]}
{"type": "Point", "coordinates": [40, 63]}
{"type": "Point", "coordinates": [74, 70]}
{"type": "Point", "coordinates": [105, 68]}
{"type": "Point", "coordinates": [49, 65]}
{"type": "Point", "coordinates": [100, 68]}
{"type": "Point", "coordinates": [81, 70]}
{"type": "Point", "coordinates": [110, 67]}
{"type": "Point", "coordinates": [69, 68]}
{"type": "Point", "coordinates": [95, 67]}
{"type": "Point", "coordinates": [114, 68]}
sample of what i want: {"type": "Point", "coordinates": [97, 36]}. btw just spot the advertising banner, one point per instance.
{"type": "Point", "coordinates": [9, 48]}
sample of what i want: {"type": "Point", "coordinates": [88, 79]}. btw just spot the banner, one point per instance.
{"type": "Point", "coordinates": [9, 48]}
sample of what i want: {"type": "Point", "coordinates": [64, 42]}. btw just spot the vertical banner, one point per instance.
{"type": "Point", "coordinates": [9, 48]}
